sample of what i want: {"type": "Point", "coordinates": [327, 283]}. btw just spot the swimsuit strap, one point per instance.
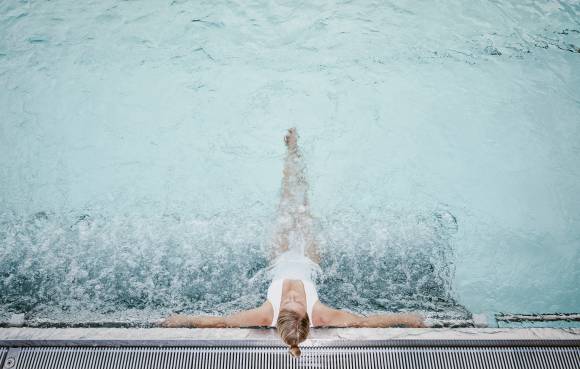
{"type": "Point", "coordinates": [275, 298]}
{"type": "Point", "coordinates": [311, 298]}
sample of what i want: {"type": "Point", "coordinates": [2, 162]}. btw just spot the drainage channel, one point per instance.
{"type": "Point", "coordinates": [400, 354]}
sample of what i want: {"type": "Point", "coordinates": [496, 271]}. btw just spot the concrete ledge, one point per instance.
{"type": "Point", "coordinates": [10, 336]}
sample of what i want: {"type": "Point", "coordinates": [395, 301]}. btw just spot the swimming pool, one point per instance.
{"type": "Point", "coordinates": [141, 154]}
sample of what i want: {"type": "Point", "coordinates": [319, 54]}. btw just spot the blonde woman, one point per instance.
{"type": "Point", "coordinates": [292, 304]}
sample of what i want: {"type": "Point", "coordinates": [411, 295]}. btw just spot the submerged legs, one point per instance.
{"type": "Point", "coordinates": [294, 228]}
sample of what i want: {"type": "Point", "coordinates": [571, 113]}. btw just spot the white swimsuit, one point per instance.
{"type": "Point", "coordinates": [292, 266]}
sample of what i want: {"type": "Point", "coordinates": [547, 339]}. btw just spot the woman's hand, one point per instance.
{"type": "Point", "coordinates": [178, 321]}
{"type": "Point", "coordinates": [411, 320]}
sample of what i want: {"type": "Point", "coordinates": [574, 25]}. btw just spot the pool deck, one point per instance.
{"type": "Point", "coordinates": [124, 336]}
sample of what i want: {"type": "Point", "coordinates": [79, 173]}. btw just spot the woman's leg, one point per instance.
{"type": "Point", "coordinates": [311, 245]}
{"type": "Point", "coordinates": [293, 211]}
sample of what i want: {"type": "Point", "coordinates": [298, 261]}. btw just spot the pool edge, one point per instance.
{"type": "Point", "coordinates": [321, 336]}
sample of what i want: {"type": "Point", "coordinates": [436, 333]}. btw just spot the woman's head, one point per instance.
{"type": "Point", "coordinates": [293, 327]}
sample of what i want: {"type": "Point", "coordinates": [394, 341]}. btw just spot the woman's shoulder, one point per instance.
{"type": "Point", "coordinates": [319, 313]}
{"type": "Point", "coordinates": [267, 307]}
{"type": "Point", "coordinates": [267, 312]}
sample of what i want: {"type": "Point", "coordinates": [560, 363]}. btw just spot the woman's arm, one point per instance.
{"type": "Point", "coordinates": [261, 316]}
{"type": "Point", "coordinates": [337, 318]}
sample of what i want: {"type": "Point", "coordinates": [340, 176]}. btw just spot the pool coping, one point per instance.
{"type": "Point", "coordinates": [256, 336]}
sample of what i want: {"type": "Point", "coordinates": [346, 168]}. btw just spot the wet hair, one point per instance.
{"type": "Point", "coordinates": [293, 329]}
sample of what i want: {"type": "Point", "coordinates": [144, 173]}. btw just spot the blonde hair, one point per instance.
{"type": "Point", "coordinates": [293, 329]}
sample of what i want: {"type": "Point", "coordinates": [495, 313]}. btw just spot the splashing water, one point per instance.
{"type": "Point", "coordinates": [89, 267]}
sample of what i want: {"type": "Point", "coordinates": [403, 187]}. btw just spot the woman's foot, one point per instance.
{"type": "Point", "coordinates": [291, 139]}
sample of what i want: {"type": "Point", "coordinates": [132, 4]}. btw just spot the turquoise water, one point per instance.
{"type": "Point", "coordinates": [141, 153]}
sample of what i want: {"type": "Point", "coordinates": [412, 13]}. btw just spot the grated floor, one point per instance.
{"type": "Point", "coordinates": [251, 354]}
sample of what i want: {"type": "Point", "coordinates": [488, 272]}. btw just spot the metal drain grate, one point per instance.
{"type": "Point", "coordinates": [277, 357]}
{"type": "Point", "coordinates": [3, 351]}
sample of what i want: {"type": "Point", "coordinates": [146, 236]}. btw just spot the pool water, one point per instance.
{"type": "Point", "coordinates": [141, 154]}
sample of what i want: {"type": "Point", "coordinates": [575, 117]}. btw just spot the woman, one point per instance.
{"type": "Point", "coordinates": [292, 304]}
